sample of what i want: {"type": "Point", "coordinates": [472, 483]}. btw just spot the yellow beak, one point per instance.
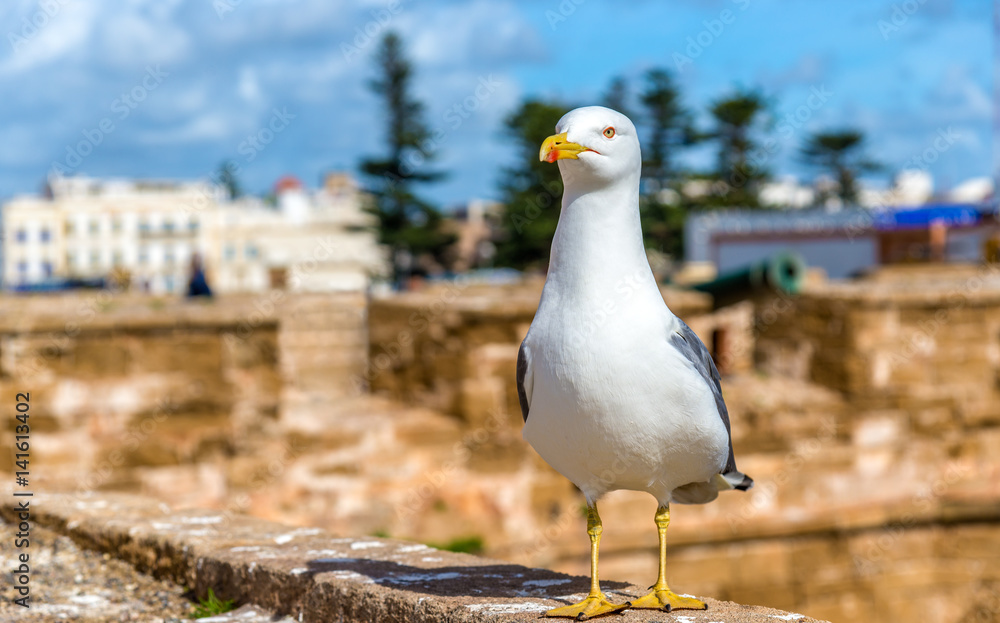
{"type": "Point", "coordinates": [558, 147]}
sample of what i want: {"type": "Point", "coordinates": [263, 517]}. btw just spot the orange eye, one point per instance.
{"type": "Point", "coordinates": [609, 132]}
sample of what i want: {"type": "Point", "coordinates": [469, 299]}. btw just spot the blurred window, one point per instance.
{"type": "Point", "coordinates": [95, 258]}
{"type": "Point", "coordinates": [47, 269]}
{"type": "Point", "coordinates": [94, 227]}
{"type": "Point", "coordinates": [70, 227]}
{"type": "Point", "coordinates": [230, 252]}
{"type": "Point", "coordinates": [250, 252]}
{"type": "Point", "coordinates": [44, 235]}
{"type": "Point", "coordinates": [21, 236]}
{"type": "Point", "coordinates": [116, 225]}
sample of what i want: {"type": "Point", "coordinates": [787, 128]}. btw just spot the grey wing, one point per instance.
{"type": "Point", "coordinates": [522, 369]}
{"type": "Point", "coordinates": [687, 342]}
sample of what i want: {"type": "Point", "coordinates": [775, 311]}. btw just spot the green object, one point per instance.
{"type": "Point", "coordinates": [466, 545]}
{"type": "Point", "coordinates": [211, 606]}
{"type": "Point", "coordinates": [783, 273]}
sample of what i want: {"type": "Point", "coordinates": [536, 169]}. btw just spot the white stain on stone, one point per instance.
{"type": "Point", "coordinates": [366, 544]}
{"type": "Point", "coordinates": [546, 582]}
{"type": "Point", "coordinates": [431, 559]}
{"type": "Point", "coordinates": [199, 532]}
{"type": "Point", "coordinates": [94, 504]}
{"type": "Point", "coordinates": [406, 549]}
{"type": "Point", "coordinates": [299, 571]}
{"type": "Point", "coordinates": [89, 600]}
{"type": "Point", "coordinates": [208, 519]}
{"type": "Point", "coordinates": [787, 617]}
{"type": "Point", "coordinates": [307, 531]}
{"type": "Point", "coordinates": [345, 574]}
{"type": "Point", "coordinates": [281, 539]}
{"type": "Point", "coordinates": [159, 525]}
{"type": "Point", "coordinates": [509, 608]}
{"type": "Point", "coordinates": [323, 552]}
{"type": "Point", "coordinates": [245, 548]}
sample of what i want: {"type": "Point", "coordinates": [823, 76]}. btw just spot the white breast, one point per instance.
{"type": "Point", "coordinates": [614, 406]}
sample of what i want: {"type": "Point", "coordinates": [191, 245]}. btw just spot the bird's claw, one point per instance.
{"type": "Point", "coordinates": [592, 606]}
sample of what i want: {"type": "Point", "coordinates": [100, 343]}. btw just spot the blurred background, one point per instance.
{"type": "Point", "coordinates": [278, 257]}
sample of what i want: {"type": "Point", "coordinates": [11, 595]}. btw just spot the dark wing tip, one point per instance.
{"type": "Point", "coordinates": [736, 479]}
{"type": "Point", "coordinates": [522, 369]}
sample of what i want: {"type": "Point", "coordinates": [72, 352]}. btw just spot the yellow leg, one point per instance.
{"type": "Point", "coordinates": [662, 598]}
{"type": "Point", "coordinates": [596, 603]}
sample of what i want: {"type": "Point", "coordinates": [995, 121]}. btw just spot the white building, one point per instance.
{"type": "Point", "coordinates": [88, 228]}
{"type": "Point", "coordinates": [313, 242]}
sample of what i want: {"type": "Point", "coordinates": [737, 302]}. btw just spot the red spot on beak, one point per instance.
{"type": "Point", "coordinates": [552, 156]}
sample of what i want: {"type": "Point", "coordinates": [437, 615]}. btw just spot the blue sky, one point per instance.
{"type": "Point", "coordinates": [171, 88]}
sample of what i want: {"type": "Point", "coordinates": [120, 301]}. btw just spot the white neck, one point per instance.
{"type": "Point", "coordinates": [598, 241]}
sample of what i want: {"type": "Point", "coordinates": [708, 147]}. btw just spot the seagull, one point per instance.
{"type": "Point", "coordinates": [616, 391]}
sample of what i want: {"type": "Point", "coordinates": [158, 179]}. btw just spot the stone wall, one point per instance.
{"type": "Point", "coordinates": [913, 344]}
{"type": "Point", "coordinates": [121, 383]}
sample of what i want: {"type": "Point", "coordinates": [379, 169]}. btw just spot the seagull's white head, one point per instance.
{"type": "Point", "coordinates": [595, 146]}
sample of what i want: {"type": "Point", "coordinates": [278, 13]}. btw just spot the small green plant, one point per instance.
{"type": "Point", "coordinates": [211, 606]}
{"type": "Point", "coordinates": [382, 534]}
{"type": "Point", "coordinates": [465, 545]}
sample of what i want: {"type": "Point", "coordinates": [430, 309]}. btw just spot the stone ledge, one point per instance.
{"type": "Point", "coordinates": [313, 576]}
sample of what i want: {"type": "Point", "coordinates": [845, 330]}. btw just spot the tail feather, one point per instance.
{"type": "Point", "coordinates": [736, 480]}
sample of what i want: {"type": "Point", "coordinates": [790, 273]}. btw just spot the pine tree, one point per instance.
{"type": "Point", "coordinates": [669, 126]}
{"type": "Point", "coordinates": [227, 178]}
{"type": "Point", "coordinates": [841, 153]}
{"type": "Point", "coordinates": [410, 226]}
{"type": "Point", "coordinates": [738, 118]}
